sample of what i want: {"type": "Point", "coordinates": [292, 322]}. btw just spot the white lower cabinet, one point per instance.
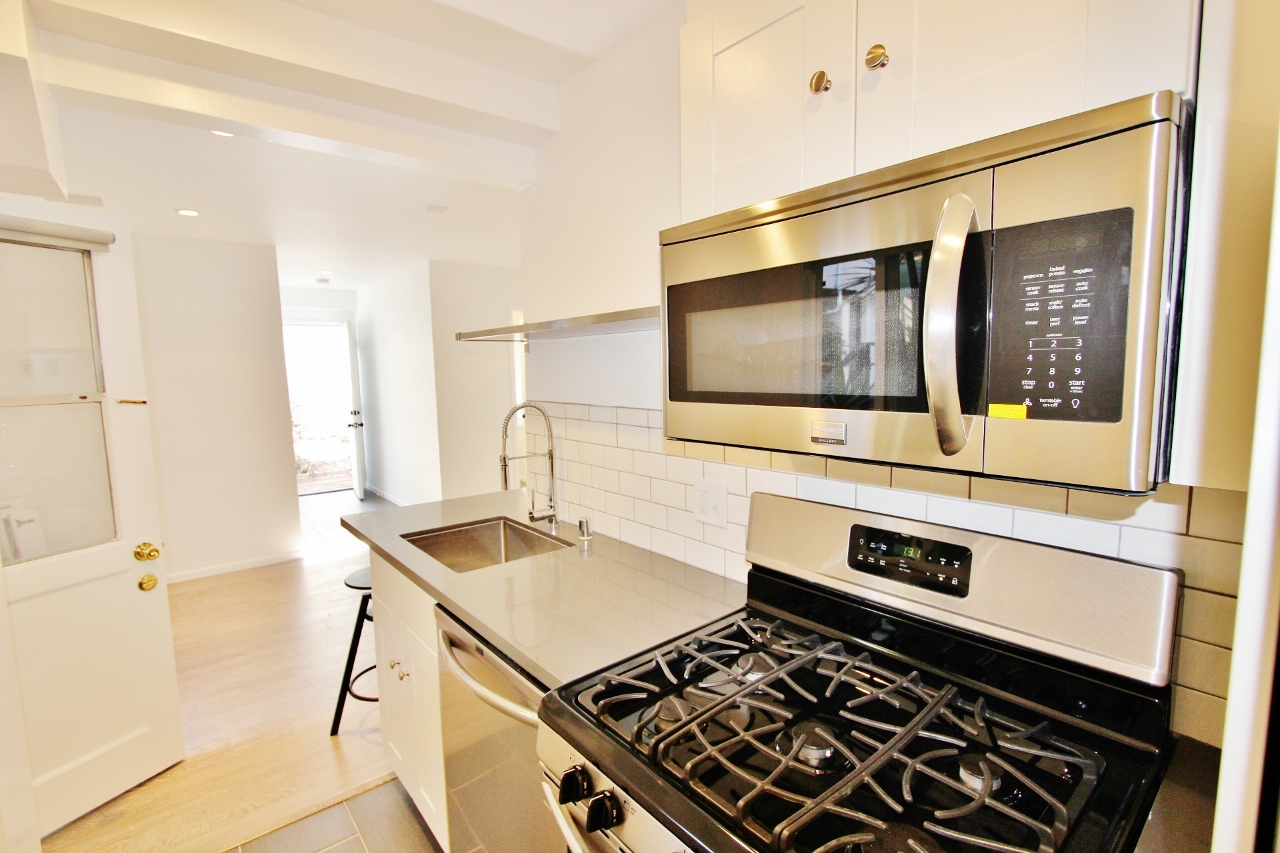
{"type": "Point", "coordinates": [409, 691]}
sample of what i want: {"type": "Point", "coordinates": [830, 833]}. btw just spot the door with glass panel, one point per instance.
{"type": "Point", "coordinates": [80, 536]}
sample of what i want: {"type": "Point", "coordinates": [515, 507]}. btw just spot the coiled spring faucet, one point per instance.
{"type": "Point", "coordinates": [549, 514]}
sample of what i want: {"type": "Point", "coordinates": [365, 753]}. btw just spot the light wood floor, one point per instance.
{"type": "Point", "coordinates": [260, 655]}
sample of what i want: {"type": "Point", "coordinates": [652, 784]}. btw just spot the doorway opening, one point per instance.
{"type": "Point", "coordinates": [324, 407]}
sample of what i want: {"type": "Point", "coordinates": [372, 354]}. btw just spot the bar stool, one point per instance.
{"type": "Point", "coordinates": [361, 581]}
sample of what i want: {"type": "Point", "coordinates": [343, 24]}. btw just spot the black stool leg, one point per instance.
{"type": "Point", "coordinates": [351, 663]}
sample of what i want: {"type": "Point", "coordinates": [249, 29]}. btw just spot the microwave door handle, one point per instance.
{"type": "Point", "coordinates": [958, 220]}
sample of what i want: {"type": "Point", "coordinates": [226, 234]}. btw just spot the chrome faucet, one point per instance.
{"type": "Point", "coordinates": [549, 514]}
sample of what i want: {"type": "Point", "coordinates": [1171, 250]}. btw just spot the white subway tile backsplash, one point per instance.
{"type": "Point", "coordinates": [774, 482]}
{"type": "Point", "coordinates": [650, 464]}
{"type": "Point", "coordinates": [668, 544]}
{"type": "Point", "coordinates": [604, 434]}
{"type": "Point", "coordinates": [591, 454]}
{"type": "Point", "coordinates": [668, 493]}
{"type": "Point", "coordinates": [592, 498]}
{"type": "Point", "coordinates": [736, 567]}
{"type": "Point", "coordinates": [603, 478]}
{"type": "Point", "coordinates": [566, 449]}
{"type": "Point", "coordinates": [580, 413]}
{"type": "Point", "coordinates": [706, 557]}
{"type": "Point", "coordinates": [892, 502]}
{"type": "Point", "coordinates": [655, 418]}
{"type": "Point", "coordinates": [619, 505]}
{"type": "Point", "coordinates": [1165, 510]}
{"type": "Point", "coordinates": [634, 486]}
{"type": "Point", "coordinates": [609, 525]}
{"type": "Point", "coordinates": [826, 491]}
{"type": "Point", "coordinates": [733, 476]}
{"type": "Point", "coordinates": [537, 465]}
{"type": "Point", "coordinates": [633, 437]}
{"type": "Point", "coordinates": [634, 417]}
{"type": "Point", "coordinates": [635, 534]}
{"type": "Point", "coordinates": [731, 538]}
{"type": "Point", "coordinates": [577, 472]}
{"type": "Point", "coordinates": [535, 425]}
{"type": "Point", "coordinates": [577, 430]}
{"type": "Point", "coordinates": [683, 470]}
{"type": "Point", "coordinates": [603, 414]}
{"type": "Point", "coordinates": [1207, 563]}
{"type": "Point", "coordinates": [657, 441]}
{"type": "Point", "coordinates": [654, 515]}
{"type": "Point", "coordinates": [970, 515]}
{"type": "Point", "coordinates": [739, 509]}
{"type": "Point", "coordinates": [567, 491]}
{"type": "Point", "coordinates": [1065, 531]}
{"type": "Point", "coordinates": [683, 523]}
{"type": "Point", "coordinates": [618, 458]}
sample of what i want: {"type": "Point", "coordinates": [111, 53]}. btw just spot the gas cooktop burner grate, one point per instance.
{"type": "Point", "coordinates": [796, 740]}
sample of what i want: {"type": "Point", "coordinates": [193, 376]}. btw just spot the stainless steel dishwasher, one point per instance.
{"type": "Point", "coordinates": [489, 720]}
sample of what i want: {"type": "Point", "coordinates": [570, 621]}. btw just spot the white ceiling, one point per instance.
{"type": "Point", "coordinates": [350, 119]}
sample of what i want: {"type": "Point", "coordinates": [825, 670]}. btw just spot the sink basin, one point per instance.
{"type": "Point", "coordinates": [478, 544]}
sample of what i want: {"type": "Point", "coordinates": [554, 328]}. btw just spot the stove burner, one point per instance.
{"type": "Point", "coordinates": [974, 770]}
{"type": "Point", "coordinates": [737, 717]}
{"type": "Point", "coordinates": [901, 838]}
{"type": "Point", "coordinates": [672, 710]}
{"type": "Point", "coordinates": [817, 751]}
{"type": "Point", "coordinates": [754, 666]}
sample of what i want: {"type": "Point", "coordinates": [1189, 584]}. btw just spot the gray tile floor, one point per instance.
{"type": "Point", "coordinates": [381, 820]}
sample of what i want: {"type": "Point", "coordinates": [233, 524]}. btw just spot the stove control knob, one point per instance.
{"type": "Point", "coordinates": [604, 811]}
{"type": "Point", "coordinates": [575, 785]}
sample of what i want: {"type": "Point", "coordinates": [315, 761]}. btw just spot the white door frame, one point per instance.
{"type": "Point", "coordinates": [19, 826]}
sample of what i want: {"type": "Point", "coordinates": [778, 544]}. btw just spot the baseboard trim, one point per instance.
{"type": "Point", "coordinates": [224, 568]}
{"type": "Point", "coordinates": [386, 497]}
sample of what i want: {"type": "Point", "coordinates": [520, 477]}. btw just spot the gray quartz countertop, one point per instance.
{"type": "Point", "coordinates": [558, 615]}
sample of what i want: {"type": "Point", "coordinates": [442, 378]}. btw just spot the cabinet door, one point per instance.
{"type": "Point", "coordinates": [751, 129]}
{"type": "Point", "coordinates": [395, 697]}
{"type": "Point", "coordinates": [428, 753]}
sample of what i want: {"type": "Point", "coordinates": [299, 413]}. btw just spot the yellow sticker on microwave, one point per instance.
{"type": "Point", "coordinates": [1005, 410]}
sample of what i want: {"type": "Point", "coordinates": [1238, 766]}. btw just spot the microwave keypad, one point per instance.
{"type": "Point", "coordinates": [1059, 312]}
{"type": "Point", "coordinates": [939, 566]}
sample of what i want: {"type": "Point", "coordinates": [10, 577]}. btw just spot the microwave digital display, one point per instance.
{"type": "Point", "coordinates": [1059, 311]}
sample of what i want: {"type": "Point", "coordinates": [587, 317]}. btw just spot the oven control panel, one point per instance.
{"type": "Point", "coordinates": [926, 563]}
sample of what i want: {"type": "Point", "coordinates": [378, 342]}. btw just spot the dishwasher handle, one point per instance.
{"type": "Point", "coordinates": [499, 703]}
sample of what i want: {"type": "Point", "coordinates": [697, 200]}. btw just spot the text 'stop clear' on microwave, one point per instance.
{"type": "Point", "coordinates": [1006, 308]}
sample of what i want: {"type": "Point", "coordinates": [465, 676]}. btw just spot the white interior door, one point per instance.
{"type": "Point", "coordinates": [357, 416]}
{"type": "Point", "coordinates": [86, 599]}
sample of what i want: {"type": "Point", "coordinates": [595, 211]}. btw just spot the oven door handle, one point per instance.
{"type": "Point", "coordinates": [958, 220]}
{"type": "Point", "coordinates": [564, 820]}
{"type": "Point", "coordinates": [499, 703]}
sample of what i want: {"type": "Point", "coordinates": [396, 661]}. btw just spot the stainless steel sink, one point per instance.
{"type": "Point", "coordinates": [477, 544]}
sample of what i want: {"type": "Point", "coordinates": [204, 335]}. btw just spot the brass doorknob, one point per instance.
{"type": "Point", "coordinates": [877, 57]}
{"type": "Point", "coordinates": [148, 582]}
{"type": "Point", "coordinates": [819, 82]}
{"type": "Point", "coordinates": [146, 551]}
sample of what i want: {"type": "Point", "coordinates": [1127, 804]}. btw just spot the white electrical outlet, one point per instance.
{"type": "Point", "coordinates": [711, 503]}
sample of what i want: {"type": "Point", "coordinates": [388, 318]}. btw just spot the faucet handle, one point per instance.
{"type": "Point", "coordinates": [584, 528]}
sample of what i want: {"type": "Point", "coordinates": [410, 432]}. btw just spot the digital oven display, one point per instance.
{"type": "Point", "coordinates": [927, 563]}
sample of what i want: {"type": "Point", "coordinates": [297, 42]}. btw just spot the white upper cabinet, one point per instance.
{"type": "Point", "coordinates": [957, 71]}
{"type": "Point", "coordinates": [963, 71]}
{"type": "Point", "coordinates": [751, 127]}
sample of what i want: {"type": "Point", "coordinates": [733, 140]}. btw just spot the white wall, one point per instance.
{"type": "Point", "coordinates": [397, 381]}
{"type": "Point", "coordinates": [220, 403]}
{"type": "Point", "coordinates": [475, 381]}
{"type": "Point", "coordinates": [608, 182]}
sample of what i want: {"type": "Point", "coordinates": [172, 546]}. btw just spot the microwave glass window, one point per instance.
{"type": "Point", "coordinates": [838, 333]}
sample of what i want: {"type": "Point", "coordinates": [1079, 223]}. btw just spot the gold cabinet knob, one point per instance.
{"type": "Point", "coordinates": [393, 663]}
{"type": "Point", "coordinates": [402, 675]}
{"type": "Point", "coordinates": [146, 551]}
{"type": "Point", "coordinates": [148, 582]}
{"type": "Point", "coordinates": [819, 82]}
{"type": "Point", "coordinates": [877, 57]}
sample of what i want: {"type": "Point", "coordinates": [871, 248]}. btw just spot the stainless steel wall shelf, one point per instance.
{"type": "Point", "coordinates": [611, 323]}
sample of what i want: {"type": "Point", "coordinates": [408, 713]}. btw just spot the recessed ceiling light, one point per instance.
{"type": "Point", "coordinates": [221, 133]}
{"type": "Point", "coordinates": [436, 208]}
{"type": "Point", "coordinates": [186, 211]}
{"type": "Point", "coordinates": [326, 272]}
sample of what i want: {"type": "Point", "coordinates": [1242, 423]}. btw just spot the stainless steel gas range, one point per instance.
{"type": "Point", "coordinates": [891, 687]}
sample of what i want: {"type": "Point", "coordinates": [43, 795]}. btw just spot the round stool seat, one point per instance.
{"type": "Point", "coordinates": [361, 579]}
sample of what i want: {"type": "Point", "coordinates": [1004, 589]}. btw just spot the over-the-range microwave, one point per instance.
{"type": "Point", "coordinates": [1007, 308]}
